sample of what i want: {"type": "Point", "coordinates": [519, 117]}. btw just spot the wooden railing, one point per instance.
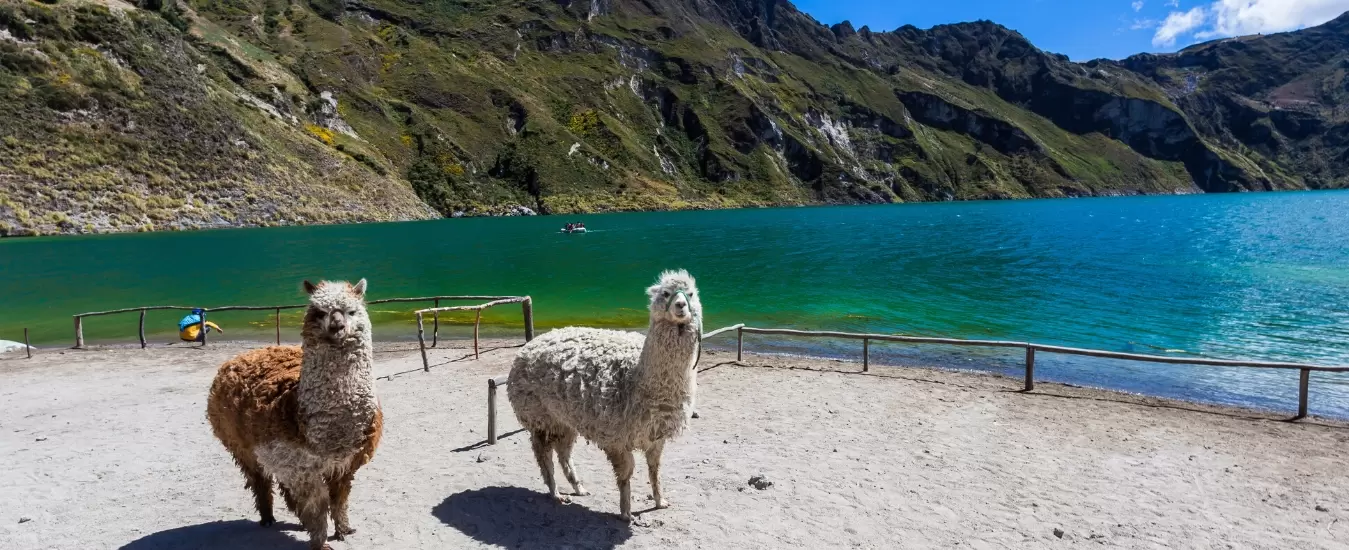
{"type": "Point", "coordinates": [435, 300]}
{"type": "Point", "coordinates": [526, 308]}
{"type": "Point", "coordinates": [1031, 348]}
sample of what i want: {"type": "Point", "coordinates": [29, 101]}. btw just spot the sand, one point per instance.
{"type": "Point", "coordinates": [110, 449]}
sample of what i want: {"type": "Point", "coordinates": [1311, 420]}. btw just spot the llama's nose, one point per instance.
{"type": "Point", "coordinates": [337, 323]}
{"type": "Point", "coordinates": [681, 304]}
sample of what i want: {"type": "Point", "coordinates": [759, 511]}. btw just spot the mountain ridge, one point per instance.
{"type": "Point", "coordinates": [174, 114]}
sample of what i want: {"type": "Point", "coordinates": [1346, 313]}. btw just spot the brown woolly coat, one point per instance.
{"type": "Point", "coordinates": [253, 401]}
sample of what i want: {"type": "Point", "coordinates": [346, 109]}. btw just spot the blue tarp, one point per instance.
{"type": "Point", "coordinates": [193, 318]}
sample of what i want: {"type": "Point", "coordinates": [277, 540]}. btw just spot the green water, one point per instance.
{"type": "Point", "coordinates": [1246, 276]}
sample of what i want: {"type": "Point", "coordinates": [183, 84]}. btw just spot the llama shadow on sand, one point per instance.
{"type": "Point", "coordinates": [513, 517]}
{"type": "Point", "coordinates": [222, 535]}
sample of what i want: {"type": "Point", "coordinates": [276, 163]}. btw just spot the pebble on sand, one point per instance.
{"type": "Point", "coordinates": [760, 482]}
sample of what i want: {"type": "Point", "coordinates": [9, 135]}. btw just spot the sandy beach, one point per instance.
{"type": "Point", "coordinates": [110, 448]}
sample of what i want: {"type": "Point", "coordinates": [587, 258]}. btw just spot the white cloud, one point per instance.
{"type": "Point", "coordinates": [1177, 24]}
{"type": "Point", "coordinates": [1138, 5]}
{"type": "Point", "coordinates": [1225, 18]}
{"type": "Point", "coordinates": [1173, 3]}
{"type": "Point", "coordinates": [1241, 17]}
{"type": "Point", "coordinates": [1142, 24]}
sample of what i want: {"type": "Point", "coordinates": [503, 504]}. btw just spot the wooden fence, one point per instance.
{"type": "Point", "coordinates": [1031, 349]}
{"type": "Point", "coordinates": [526, 308]}
{"type": "Point", "coordinates": [435, 300]}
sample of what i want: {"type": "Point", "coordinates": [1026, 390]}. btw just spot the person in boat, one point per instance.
{"type": "Point", "coordinates": [189, 329]}
{"type": "Point", "coordinates": [569, 227]}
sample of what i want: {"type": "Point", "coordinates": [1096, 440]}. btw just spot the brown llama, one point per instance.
{"type": "Point", "coordinates": [306, 416]}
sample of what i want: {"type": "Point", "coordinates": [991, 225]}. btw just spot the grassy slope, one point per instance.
{"type": "Point", "coordinates": [114, 123]}
{"type": "Point", "coordinates": [477, 106]}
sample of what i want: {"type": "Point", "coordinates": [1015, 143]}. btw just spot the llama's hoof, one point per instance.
{"type": "Point", "coordinates": [267, 522]}
{"type": "Point", "coordinates": [662, 504]}
{"type": "Point", "coordinates": [637, 521]}
{"type": "Point", "coordinates": [581, 492]}
{"type": "Point", "coordinates": [342, 532]}
{"type": "Point", "coordinates": [562, 499]}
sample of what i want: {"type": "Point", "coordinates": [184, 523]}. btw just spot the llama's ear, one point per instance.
{"type": "Point", "coordinates": [359, 289]}
{"type": "Point", "coordinates": [653, 291]}
{"type": "Point", "coordinates": [309, 287]}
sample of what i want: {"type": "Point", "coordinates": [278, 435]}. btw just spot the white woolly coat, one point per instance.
{"type": "Point", "coordinates": [620, 390]}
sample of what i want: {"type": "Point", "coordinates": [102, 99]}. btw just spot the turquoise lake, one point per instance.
{"type": "Point", "coordinates": [1250, 276]}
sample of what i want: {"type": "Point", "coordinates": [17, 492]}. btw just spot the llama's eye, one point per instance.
{"type": "Point", "coordinates": [665, 294]}
{"type": "Point", "coordinates": [351, 312]}
{"type": "Point", "coordinates": [320, 313]}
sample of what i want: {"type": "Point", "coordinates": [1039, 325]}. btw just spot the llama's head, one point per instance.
{"type": "Point", "coordinates": [674, 299]}
{"type": "Point", "coordinates": [336, 313]}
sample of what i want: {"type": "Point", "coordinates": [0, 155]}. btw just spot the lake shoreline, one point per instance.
{"type": "Point", "coordinates": [511, 208]}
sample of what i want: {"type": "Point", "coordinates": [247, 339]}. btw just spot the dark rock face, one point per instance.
{"type": "Point", "coordinates": [1277, 98]}
{"type": "Point", "coordinates": [938, 113]}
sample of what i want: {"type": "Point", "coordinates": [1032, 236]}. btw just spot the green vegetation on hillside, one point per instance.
{"type": "Point", "coordinates": [195, 113]}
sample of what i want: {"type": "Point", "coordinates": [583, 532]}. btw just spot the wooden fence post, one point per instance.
{"type": "Point", "coordinates": [435, 324]}
{"type": "Point", "coordinates": [203, 327]}
{"type": "Point", "coordinates": [26, 345]}
{"type": "Point", "coordinates": [1303, 382]}
{"type": "Point", "coordinates": [866, 354]}
{"type": "Point", "coordinates": [491, 411]}
{"type": "Point", "coordinates": [739, 343]}
{"type": "Point", "coordinates": [1030, 368]}
{"type": "Point", "coordinates": [142, 329]}
{"type": "Point", "coordinates": [476, 321]}
{"type": "Point", "coordinates": [278, 326]}
{"type": "Point", "coordinates": [421, 343]}
{"type": "Point", "coordinates": [527, 307]}
{"type": "Point", "coordinates": [79, 332]}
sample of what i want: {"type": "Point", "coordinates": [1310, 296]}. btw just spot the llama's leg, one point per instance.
{"type": "Point", "coordinates": [693, 391]}
{"type": "Point", "coordinates": [563, 445]}
{"type": "Point", "coordinates": [653, 469]}
{"type": "Point", "coordinates": [288, 497]}
{"type": "Point", "coordinates": [623, 462]}
{"type": "Point", "coordinates": [261, 484]}
{"type": "Point", "coordinates": [339, 488]}
{"type": "Point", "coordinates": [543, 448]}
{"type": "Point", "coordinates": [312, 496]}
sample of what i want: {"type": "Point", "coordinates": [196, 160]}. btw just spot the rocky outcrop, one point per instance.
{"type": "Point", "coordinates": [936, 112]}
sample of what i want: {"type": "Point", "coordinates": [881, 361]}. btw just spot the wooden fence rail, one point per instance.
{"type": "Point", "coordinates": [526, 309]}
{"type": "Point", "coordinates": [1031, 349]}
{"type": "Point", "coordinates": [79, 317]}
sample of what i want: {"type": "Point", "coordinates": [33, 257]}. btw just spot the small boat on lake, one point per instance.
{"type": "Point", "coordinates": [574, 228]}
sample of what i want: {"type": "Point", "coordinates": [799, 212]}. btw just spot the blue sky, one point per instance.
{"type": "Point", "coordinates": [1089, 29]}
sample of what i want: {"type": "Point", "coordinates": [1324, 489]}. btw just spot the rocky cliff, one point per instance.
{"type": "Point", "coordinates": [173, 114]}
